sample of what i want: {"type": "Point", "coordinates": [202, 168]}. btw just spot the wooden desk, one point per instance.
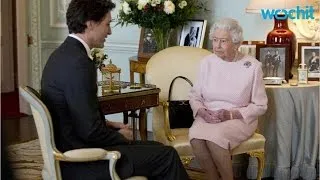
{"type": "Point", "coordinates": [138, 65]}
{"type": "Point", "coordinates": [130, 100]}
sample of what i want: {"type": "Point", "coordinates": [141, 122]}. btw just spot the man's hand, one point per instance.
{"type": "Point", "coordinates": [124, 129]}
{"type": "Point", "coordinates": [208, 116]}
{"type": "Point", "coordinates": [117, 125]}
{"type": "Point", "coordinates": [127, 133]}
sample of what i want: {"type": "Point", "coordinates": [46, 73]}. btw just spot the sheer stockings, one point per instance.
{"type": "Point", "coordinates": [213, 159]}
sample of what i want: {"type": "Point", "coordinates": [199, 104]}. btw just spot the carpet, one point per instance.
{"type": "Point", "coordinates": [26, 162]}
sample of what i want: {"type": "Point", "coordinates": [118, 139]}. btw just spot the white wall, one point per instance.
{"type": "Point", "coordinates": [22, 50]}
{"type": "Point", "coordinates": [128, 37]}
{"type": "Point", "coordinates": [123, 43]}
{"type": "Point", "coordinates": [253, 26]}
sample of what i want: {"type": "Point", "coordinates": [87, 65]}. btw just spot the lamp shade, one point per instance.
{"type": "Point", "coordinates": [255, 6]}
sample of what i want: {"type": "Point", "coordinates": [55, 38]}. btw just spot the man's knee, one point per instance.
{"type": "Point", "coordinates": [171, 151]}
{"type": "Point", "coordinates": [156, 143]}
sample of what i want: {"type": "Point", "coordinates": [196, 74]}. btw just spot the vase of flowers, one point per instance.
{"type": "Point", "coordinates": [98, 56]}
{"type": "Point", "coordinates": [161, 16]}
{"type": "Point", "coordinates": [162, 37]}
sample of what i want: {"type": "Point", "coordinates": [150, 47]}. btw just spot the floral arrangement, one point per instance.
{"type": "Point", "coordinates": [158, 15]}
{"type": "Point", "coordinates": [162, 14]}
{"type": "Point", "coordinates": [98, 56]}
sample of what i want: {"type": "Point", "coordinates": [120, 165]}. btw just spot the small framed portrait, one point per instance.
{"type": "Point", "coordinates": [249, 47]}
{"type": "Point", "coordinates": [309, 54]}
{"type": "Point", "coordinates": [275, 60]}
{"type": "Point", "coordinates": [147, 44]}
{"type": "Point", "coordinates": [192, 33]}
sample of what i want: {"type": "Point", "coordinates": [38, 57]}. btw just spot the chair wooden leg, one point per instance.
{"type": "Point", "coordinates": [260, 157]}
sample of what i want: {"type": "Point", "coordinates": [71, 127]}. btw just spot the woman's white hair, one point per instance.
{"type": "Point", "coordinates": [230, 25]}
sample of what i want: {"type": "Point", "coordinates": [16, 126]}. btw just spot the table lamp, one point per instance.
{"type": "Point", "coordinates": [281, 34]}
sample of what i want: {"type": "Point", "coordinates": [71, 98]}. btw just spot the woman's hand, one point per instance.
{"type": "Point", "coordinates": [225, 115]}
{"type": "Point", "coordinates": [208, 116]}
{"type": "Point", "coordinates": [219, 115]}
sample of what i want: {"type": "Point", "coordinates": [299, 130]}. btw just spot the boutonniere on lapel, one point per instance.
{"type": "Point", "coordinates": [98, 57]}
{"type": "Point", "coordinates": [247, 64]}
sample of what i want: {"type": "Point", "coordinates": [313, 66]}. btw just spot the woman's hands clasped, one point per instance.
{"type": "Point", "coordinates": [218, 115]}
{"type": "Point", "coordinates": [208, 116]}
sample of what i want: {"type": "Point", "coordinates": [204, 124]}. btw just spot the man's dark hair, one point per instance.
{"type": "Point", "coordinates": [81, 11]}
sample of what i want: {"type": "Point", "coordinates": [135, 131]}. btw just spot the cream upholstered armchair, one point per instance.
{"type": "Point", "coordinates": [183, 61]}
{"type": "Point", "coordinates": [51, 155]}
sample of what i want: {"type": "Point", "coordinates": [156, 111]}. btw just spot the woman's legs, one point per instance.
{"type": "Point", "coordinates": [202, 154]}
{"type": "Point", "coordinates": [222, 159]}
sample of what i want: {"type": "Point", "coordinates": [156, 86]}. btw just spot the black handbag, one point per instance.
{"type": "Point", "coordinates": [180, 112]}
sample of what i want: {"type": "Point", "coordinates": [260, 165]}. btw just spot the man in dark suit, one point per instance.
{"type": "Point", "coordinates": [267, 64]}
{"type": "Point", "coordinates": [68, 88]}
{"type": "Point", "coordinates": [276, 60]}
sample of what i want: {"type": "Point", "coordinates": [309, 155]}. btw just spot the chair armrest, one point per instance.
{"type": "Point", "coordinates": [167, 129]}
{"type": "Point", "coordinates": [92, 154]}
{"type": "Point", "coordinates": [89, 154]}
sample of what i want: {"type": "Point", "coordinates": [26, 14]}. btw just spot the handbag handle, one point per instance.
{"type": "Point", "coordinates": [171, 84]}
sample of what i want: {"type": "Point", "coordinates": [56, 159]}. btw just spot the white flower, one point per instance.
{"type": "Point", "coordinates": [182, 4]}
{"type": "Point", "coordinates": [158, 1]}
{"type": "Point", "coordinates": [153, 3]}
{"type": "Point", "coordinates": [140, 7]}
{"type": "Point", "coordinates": [100, 54]}
{"type": "Point", "coordinates": [126, 8]}
{"type": "Point", "coordinates": [121, 4]}
{"type": "Point", "coordinates": [169, 7]}
{"type": "Point", "coordinates": [142, 3]}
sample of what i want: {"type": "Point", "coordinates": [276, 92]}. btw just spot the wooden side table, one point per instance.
{"type": "Point", "coordinates": [131, 100]}
{"type": "Point", "coordinates": [138, 65]}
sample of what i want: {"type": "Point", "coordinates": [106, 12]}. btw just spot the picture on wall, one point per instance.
{"type": "Point", "coordinates": [275, 60]}
{"type": "Point", "coordinates": [147, 44]}
{"type": "Point", "coordinates": [310, 55]}
{"type": "Point", "coordinates": [193, 33]}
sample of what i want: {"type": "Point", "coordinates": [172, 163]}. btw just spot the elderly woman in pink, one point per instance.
{"type": "Point", "coordinates": [226, 99]}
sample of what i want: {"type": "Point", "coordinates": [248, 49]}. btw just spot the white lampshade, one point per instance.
{"type": "Point", "coordinates": [255, 6]}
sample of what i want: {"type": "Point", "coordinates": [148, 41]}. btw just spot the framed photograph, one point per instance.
{"type": "Point", "coordinates": [275, 60]}
{"type": "Point", "coordinates": [192, 33]}
{"type": "Point", "coordinates": [249, 47]}
{"type": "Point", "coordinates": [147, 44]}
{"type": "Point", "coordinates": [309, 54]}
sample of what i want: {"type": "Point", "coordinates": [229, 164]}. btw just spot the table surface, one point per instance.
{"type": "Point", "coordinates": [288, 85]}
{"type": "Point", "coordinates": [127, 90]}
{"type": "Point", "coordinates": [131, 97]}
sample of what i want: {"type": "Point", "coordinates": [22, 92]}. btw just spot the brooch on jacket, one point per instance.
{"type": "Point", "coordinates": [247, 64]}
